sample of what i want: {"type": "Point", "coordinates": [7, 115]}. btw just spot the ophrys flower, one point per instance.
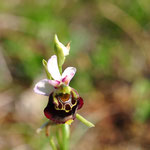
{"type": "Point", "coordinates": [63, 100]}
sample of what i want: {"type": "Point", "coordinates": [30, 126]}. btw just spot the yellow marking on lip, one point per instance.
{"type": "Point", "coordinates": [69, 122]}
{"type": "Point", "coordinates": [62, 109]}
{"type": "Point", "coordinates": [55, 100]}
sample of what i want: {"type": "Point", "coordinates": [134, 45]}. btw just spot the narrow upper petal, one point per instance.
{"type": "Point", "coordinates": [68, 74]}
{"type": "Point", "coordinates": [53, 68]}
{"type": "Point", "coordinates": [43, 87]}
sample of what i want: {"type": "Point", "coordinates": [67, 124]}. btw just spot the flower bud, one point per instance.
{"type": "Point", "coordinates": [61, 51]}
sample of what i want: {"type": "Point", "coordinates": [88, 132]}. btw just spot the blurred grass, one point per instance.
{"type": "Point", "coordinates": [109, 47]}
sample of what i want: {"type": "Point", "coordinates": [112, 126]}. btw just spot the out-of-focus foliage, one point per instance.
{"type": "Point", "coordinates": [109, 47]}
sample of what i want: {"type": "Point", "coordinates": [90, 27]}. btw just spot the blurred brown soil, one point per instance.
{"type": "Point", "coordinates": [115, 128]}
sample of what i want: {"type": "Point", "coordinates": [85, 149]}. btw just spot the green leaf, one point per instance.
{"type": "Point", "coordinates": [83, 120]}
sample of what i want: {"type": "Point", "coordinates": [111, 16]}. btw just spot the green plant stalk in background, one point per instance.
{"type": "Point", "coordinates": [52, 143]}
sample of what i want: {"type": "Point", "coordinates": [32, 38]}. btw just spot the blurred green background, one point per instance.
{"type": "Point", "coordinates": [110, 47]}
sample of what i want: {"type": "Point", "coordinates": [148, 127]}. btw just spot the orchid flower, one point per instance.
{"type": "Point", "coordinates": [63, 100]}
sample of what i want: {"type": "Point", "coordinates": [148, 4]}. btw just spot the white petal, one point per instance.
{"type": "Point", "coordinates": [53, 68]}
{"type": "Point", "coordinates": [68, 74]}
{"type": "Point", "coordinates": [43, 87]}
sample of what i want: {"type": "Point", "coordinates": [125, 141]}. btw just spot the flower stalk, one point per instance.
{"type": "Point", "coordinates": [65, 136]}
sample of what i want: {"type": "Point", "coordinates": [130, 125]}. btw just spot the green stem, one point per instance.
{"type": "Point", "coordinates": [65, 136]}
{"type": "Point", "coordinates": [83, 120]}
{"type": "Point", "coordinates": [52, 143]}
{"type": "Point", "coordinates": [58, 137]}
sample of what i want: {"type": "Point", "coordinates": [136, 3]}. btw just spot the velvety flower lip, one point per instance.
{"type": "Point", "coordinates": [61, 116]}
{"type": "Point", "coordinates": [43, 87]}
